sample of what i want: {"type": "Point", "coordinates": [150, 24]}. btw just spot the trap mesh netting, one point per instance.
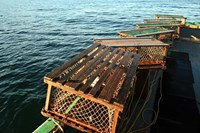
{"type": "Point", "coordinates": [148, 55]}
{"type": "Point", "coordinates": [151, 54]}
{"type": "Point", "coordinates": [82, 110]}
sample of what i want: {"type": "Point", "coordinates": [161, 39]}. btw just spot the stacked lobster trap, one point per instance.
{"type": "Point", "coordinates": [152, 52]}
{"type": "Point", "coordinates": [90, 91]}
{"type": "Point", "coordinates": [159, 33]}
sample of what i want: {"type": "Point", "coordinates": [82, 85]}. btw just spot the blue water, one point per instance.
{"type": "Point", "coordinates": [37, 36]}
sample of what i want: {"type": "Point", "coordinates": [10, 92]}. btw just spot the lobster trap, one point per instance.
{"type": "Point", "coordinates": [162, 21]}
{"type": "Point", "coordinates": [89, 91]}
{"type": "Point", "coordinates": [175, 17]}
{"type": "Point", "coordinates": [170, 26]}
{"type": "Point", "coordinates": [152, 52]}
{"type": "Point", "coordinates": [158, 33]}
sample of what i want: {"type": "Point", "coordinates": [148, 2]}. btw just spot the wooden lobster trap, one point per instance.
{"type": "Point", "coordinates": [152, 52]}
{"type": "Point", "coordinates": [158, 33]}
{"type": "Point", "coordinates": [89, 91]}
{"type": "Point", "coordinates": [170, 26]}
{"type": "Point", "coordinates": [176, 17]}
{"type": "Point", "coordinates": [161, 21]}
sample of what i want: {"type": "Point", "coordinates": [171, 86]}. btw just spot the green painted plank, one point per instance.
{"type": "Point", "coordinates": [49, 124]}
{"type": "Point", "coordinates": [156, 25]}
{"type": "Point", "coordinates": [46, 127]}
{"type": "Point", "coordinates": [192, 23]}
{"type": "Point", "coordinates": [168, 16]}
{"type": "Point", "coordinates": [161, 21]}
{"type": "Point", "coordinates": [144, 31]}
{"type": "Point", "coordinates": [72, 105]}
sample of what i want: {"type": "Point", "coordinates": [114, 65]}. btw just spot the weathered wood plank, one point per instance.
{"type": "Point", "coordinates": [168, 16]}
{"type": "Point", "coordinates": [161, 21]}
{"type": "Point", "coordinates": [96, 88]}
{"type": "Point", "coordinates": [88, 68]}
{"type": "Point", "coordinates": [67, 76]}
{"type": "Point", "coordinates": [58, 71]}
{"type": "Point", "coordinates": [78, 93]}
{"type": "Point", "coordinates": [98, 72]}
{"type": "Point", "coordinates": [114, 80]}
{"type": "Point", "coordinates": [145, 32]}
{"type": "Point", "coordinates": [142, 25]}
{"type": "Point", "coordinates": [122, 95]}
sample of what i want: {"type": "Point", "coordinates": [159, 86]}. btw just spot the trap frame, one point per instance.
{"type": "Point", "coordinates": [156, 32]}
{"type": "Point", "coordinates": [89, 91]}
{"type": "Point", "coordinates": [152, 52]}
{"type": "Point", "coordinates": [161, 21]}
{"type": "Point", "coordinates": [176, 17]}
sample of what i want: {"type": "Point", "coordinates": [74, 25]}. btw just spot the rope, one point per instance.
{"type": "Point", "coordinates": [59, 126]}
{"type": "Point", "coordinates": [156, 114]}
{"type": "Point", "coordinates": [124, 129]}
{"type": "Point", "coordinates": [146, 101]}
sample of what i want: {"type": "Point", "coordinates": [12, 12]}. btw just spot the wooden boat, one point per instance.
{"type": "Point", "coordinates": [161, 21]}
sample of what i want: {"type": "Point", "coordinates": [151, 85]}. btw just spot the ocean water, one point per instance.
{"type": "Point", "coordinates": [37, 36]}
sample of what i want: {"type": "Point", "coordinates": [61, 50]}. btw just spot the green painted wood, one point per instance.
{"type": "Point", "coordinates": [150, 20]}
{"type": "Point", "coordinates": [49, 124]}
{"type": "Point", "coordinates": [161, 21]}
{"type": "Point", "coordinates": [146, 32]}
{"type": "Point", "coordinates": [46, 127]}
{"type": "Point", "coordinates": [192, 23]}
{"type": "Point", "coordinates": [156, 25]}
{"type": "Point", "coordinates": [168, 16]}
{"type": "Point", "coordinates": [72, 105]}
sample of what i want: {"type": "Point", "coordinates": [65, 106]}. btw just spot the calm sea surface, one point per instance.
{"type": "Point", "coordinates": [37, 36]}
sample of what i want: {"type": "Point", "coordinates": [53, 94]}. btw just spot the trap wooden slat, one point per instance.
{"type": "Point", "coordinates": [177, 17]}
{"type": "Point", "coordinates": [90, 66]}
{"type": "Point", "coordinates": [164, 16]}
{"type": "Point", "coordinates": [100, 69]}
{"type": "Point", "coordinates": [129, 41]}
{"type": "Point", "coordinates": [162, 25]}
{"type": "Point", "coordinates": [111, 86]}
{"type": "Point", "coordinates": [161, 21]}
{"type": "Point", "coordinates": [83, 92]}
{"type": "Point", "coordinates": [127, 84]}
{"type": "Point", "coordinates": [117, 42]}
{"type": "Point", "coordinates": [96, 88]}
{"type": "Point", "coordinates": [67, 76]}
{"type": "Point", "coordinates": [152, 52]}
{"type": "Point", "coordinates": [145, 32]}
{"type": "Point", "coordinates": [56, 72]}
